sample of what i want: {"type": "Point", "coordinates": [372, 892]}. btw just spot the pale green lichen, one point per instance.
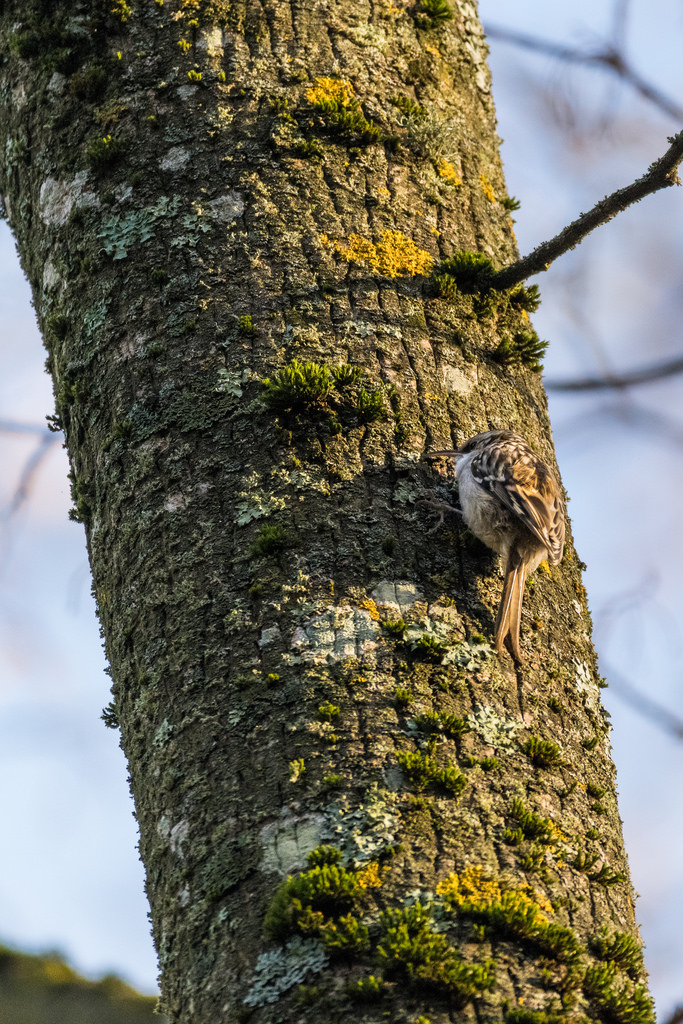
{"type": "Point", "coordinates": [494, 730]}
{"type": "Point", "coordinates": [254, 503]}
{"type": "Point", "coordinates": [363, 830]}
{"type": "Point", "coordinates": [281, 969]}
{"type": "Point", "coordinates": [120, 233]}
{"type": "Point", "coordinates": [163, 734]}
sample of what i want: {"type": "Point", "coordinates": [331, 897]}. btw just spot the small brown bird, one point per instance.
{"type": "Point", "coordinates": [512, 502]}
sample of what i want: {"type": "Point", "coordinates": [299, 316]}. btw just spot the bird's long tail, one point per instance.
{"type": "Point", "coordinates": [510, 609]}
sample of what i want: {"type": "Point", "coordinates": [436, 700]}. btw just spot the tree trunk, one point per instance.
{"type": "Point", "coordinates": [331, 767]}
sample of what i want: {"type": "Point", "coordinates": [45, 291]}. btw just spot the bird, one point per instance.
{"type": "Point", "coordinates": [511, 501]}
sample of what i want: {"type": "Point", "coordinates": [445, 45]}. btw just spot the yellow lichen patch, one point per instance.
{"type": "Point", "coordinates": [473, 885]}
{"type": "Point", "coordinates": [476, 889]}
{"type": "Point", "coordinates": [331, 90]}
{"type": "Point", "coordinates": [448, 172]}
{"type": "Point", "coordinates": [371, 608]}
{"type": "Point", "coordinates": [369, 877]}
{"type": "Point", "coordinates": [394, 255]}
{"type": "Point", "coordinates": [543, 566]}
{"type": "Point", "coordinates": [487, 188]}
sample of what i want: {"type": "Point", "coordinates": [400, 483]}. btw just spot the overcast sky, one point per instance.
{"type": "Point", "coordinates": [70, 878]}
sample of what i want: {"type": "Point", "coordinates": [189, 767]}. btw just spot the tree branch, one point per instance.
{"type": "Point", "coordinates": [661, 174]}
{"type": "Point", "coordinates": [607, 59]}
{"type": "Point", "coordinates": [644, 705]}
{"type": "Point", "coordinates": [621, 380]}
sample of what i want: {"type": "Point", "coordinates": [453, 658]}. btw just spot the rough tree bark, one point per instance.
{"type": "Point", "coordinates": [318, 731]}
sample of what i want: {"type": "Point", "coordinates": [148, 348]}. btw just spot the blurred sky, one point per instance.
{"type": "Point", "coordinates": [70, 878]}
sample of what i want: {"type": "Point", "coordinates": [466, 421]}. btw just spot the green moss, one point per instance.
{"type": "Point", "coordinates": [607, 876]}
{"type": "Point", "coordinates": [525, 348]}
{"type": "Point", "coordinates": [543, 753]}
{"type": "Point", "coordinates": [408, 106]}
{"type": "Point", "coordinates": [57, 325]}
{"type": "Point", "coordinates": [310, 149]}
{"type": "Point", "coordinates": [526, 298]}
{"type": "Point", "coordinates": [298, 387]}
{"type": "Point", "coordinates": [50, 44]}
{"type": "Point", "coordinates": [103, 151]}
{"type": "Point", "coordinates": [433, 13]}
{"type": "Point", "coordinates": [121, 11]}
{"type": "Point", "coordinates": [396, 628]}
{"type": "Point", "coordinates": [446, 286]}
{"type": "Point", "coordinates": [422, 770]}
{"type": "Point", "coordinates": [621, 949]}
{"type": "Point", "coordinates": [332, 781]}
{"type": "Point", "coordinates": [620, 1001]}
{"type": "Point", "coordinates": [346, 375]}
{"type": "Point", "coordinates": [509, 203]}
{"type": "Point", "coordinates": [308, 995]}
{"type": "Point", "coordinates": [122, 430]}
{"type": "Point", "coordinates": [428, 648]}
{"type": "Point", "coordinates": [522, 1016]}
{"type": "Point", "coordinates": [348, 937]}
{"type": "Point", "coordinates": [279, 104]}
{"type": "Point", "coordinates": [584, 861]}
{"type": "Point", "coordinates": [402, 697]}
{"type": "Point", "coordinates": [341, 112]}
{"type": "Point", "coordinates": [366, 990]}
{"type": "Point", "coordinates": [471, 271]}
{"type": "Point", "coordinates": [317, 898]}
{"type": "Point", "coordinates": [89, 83]}
{"type": "Point", "coordinates": [531, 826]}
{"type": "Point", "coordinates": [411, 950]}
{"type": "Point", "coordinates": [296, 769]}
{"type": "Point", "coordinates": [371, 406]}
{"type": "Point", "coordinates": [327, 712]}
{"type": "Point", "coordinates": [246, 326]}
{"type": "Point", "coordinates": [270, 541]}
{"type": "Point", "coordinates": [442, 722]}
{"type": "Point", "coordinates": [110, 716]}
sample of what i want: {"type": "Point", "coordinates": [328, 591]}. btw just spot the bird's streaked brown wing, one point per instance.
{"type": "Point", "coordinates": [524, 485]}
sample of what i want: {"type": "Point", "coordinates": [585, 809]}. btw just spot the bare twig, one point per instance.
{"type": "Point", "coordinates": [15, 427]}
{"type": "Point", "coordinates": [28, 474]}
{"type": "Point", "coordinates": [644, 705]}
{"type": "Point", "coordinates": [661, 174]}
{"type": "Point", "coordinates": [607, 58]}
{"type": "Point", "coordinates": [619, 380]}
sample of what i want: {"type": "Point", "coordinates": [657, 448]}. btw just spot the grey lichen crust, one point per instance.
{"type": "Point", "coordinates": [256, 234]}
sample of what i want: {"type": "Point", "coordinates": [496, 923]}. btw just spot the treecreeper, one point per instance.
{"type": "Point", "coordinates": [512, 502]}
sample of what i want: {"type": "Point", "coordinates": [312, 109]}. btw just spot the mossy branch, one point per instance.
{"type": "Point", "coordinates": [661, 174]}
